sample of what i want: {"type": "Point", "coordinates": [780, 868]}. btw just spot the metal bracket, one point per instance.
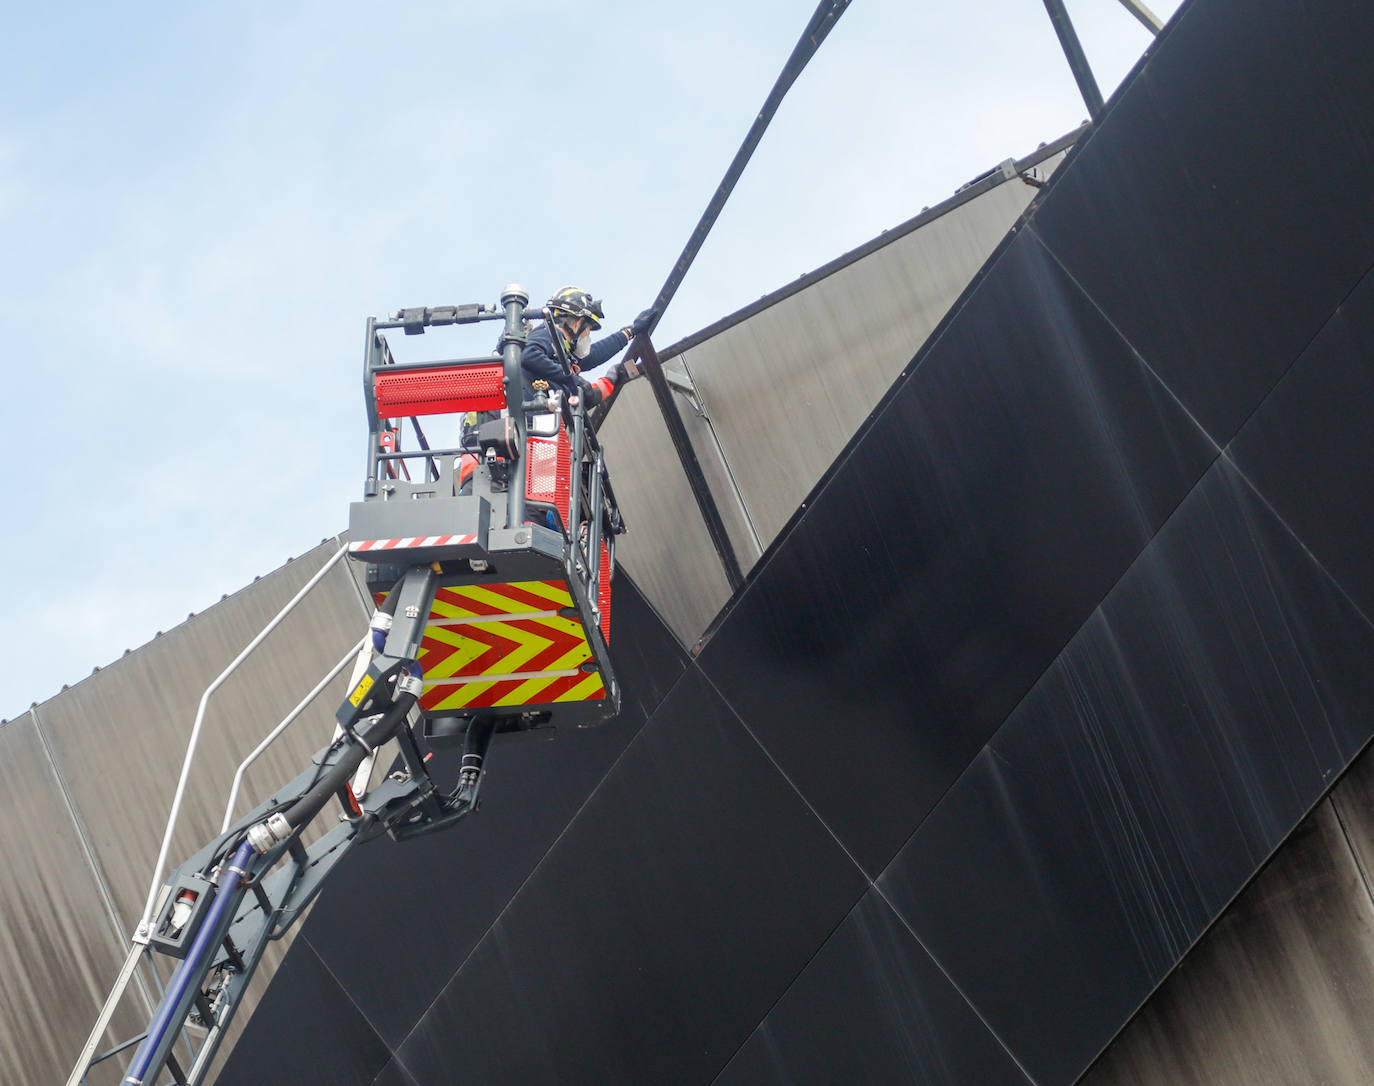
{"type": "Point", "coordinates": [684, 387]}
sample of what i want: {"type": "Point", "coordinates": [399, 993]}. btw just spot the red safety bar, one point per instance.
{"type": "Point", "coordinates": [449, 390]}
{"type": "Point", "coordinates": [603, 593]}
{"type": "Point", "coordinates": [548, 462]}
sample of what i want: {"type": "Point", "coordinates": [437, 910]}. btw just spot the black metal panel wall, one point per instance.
{"type": "Point", "coordinates": [1217, 692]}
{"type": "Point", "coordinates": [1004, 488]}
{"type": "Point", "coordinates": [1281, 988]}
{"type": "Point", "coordinates": [398, 920]}
{"type": "Point", "coordinates": [1062, 647]}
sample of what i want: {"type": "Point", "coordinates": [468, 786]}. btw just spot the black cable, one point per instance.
{"type": "Point", "coordinates": [218, 847]}
{"type": "Point", "coordinates": [822, 21]}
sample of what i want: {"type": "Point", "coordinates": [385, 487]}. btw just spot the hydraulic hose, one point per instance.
{"type": "Point", "coordinates": [309, 805]}
{"type": "Point", "coordinates": [383, 616]}
{"type": "Point", "coordinates": [185, 983]}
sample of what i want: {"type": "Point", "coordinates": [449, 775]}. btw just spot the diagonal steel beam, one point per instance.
{"type": "Point", "coordinates": [822, 21]}
{"type": "Point", "coordinates": [1078, 61]}
{"type": "Point", "coordinates": [691, 466]}
{"type": "Point", "coordinates": [1147, 18]}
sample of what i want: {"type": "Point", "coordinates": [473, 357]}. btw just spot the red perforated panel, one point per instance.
{"type": "Point", "coordinates": [547, 462]}
{"type": "Point", "coordinates": [451, 390]}
{"type": "Point", "coordinates": [604, 593]}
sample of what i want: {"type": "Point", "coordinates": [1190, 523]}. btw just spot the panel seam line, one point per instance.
{"type": "Point", "coordinates": [1350, 844]}
{"type": "Point", "coordinates": [872, 885]}
{"type": "Point", "coordinates": [535, 869]}
{"type": "Point", "coordinates": [88, 850]}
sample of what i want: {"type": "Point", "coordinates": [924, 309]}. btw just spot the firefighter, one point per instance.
{"type": "Point", "coordinates": [575, 316]}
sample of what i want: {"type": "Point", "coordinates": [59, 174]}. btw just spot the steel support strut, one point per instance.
{"type": "Point", "coordinates": [1078, 61]}
{"type": "Point", "coordinates": [1147, 18]}
{"type": "Point", "coordinates": [820, 24]}
{"type": "Point", "coordinates": [514, 299]}
{"type": "Point", "coordinates": [691, 466]}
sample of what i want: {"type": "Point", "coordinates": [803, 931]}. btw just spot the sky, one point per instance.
{"type": "Point", "coordinates": [201, 204]}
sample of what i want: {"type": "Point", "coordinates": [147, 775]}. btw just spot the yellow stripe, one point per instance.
{"type": "Point", "coordinates": [466, 607]}
{"type": "Point", "coordinates": [528, 693]}
{"type": "Point", "coordinates": [468, 651]}
{"type": "Point", "coordinates": [529, 645]}
{"type": "Point", "coordinates": [590, 689]}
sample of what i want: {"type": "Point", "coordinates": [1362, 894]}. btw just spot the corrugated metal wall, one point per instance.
{"type": "Point", "coordinates": [974, 885]}
{"type": "Point", "coordinates": [1281, 990]}
{"type": "Point", "coordinates": [1059, 654]}
{"type": "Point", "coordinates": [86, 782]}
{"type": "Point", "coordinates": [783, 386]}
{"type": "Point", "coordinates": [91, 771]}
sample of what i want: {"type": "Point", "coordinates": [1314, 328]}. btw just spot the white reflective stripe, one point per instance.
{"type": "Point", "coordinates": [475, 619]}
{"type": "Point", "coordinates": [520, 675]}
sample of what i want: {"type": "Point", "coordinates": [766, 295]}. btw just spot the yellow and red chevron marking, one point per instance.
{"type": "Point", "coordinates": [504, 645]}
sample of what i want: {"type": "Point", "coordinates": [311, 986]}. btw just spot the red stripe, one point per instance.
{"type": "Point", "coordinates": [434, 653]}
{"type": "Point", "coordinates": [527, 598]}
{"type": "Point", "coordinates": [452, 597]}
{"type": "Point", "coordinates": [561, 642]}
{"type": "Point", "coordinates": [499, 648]}
{"type": "Point", "coordinates": [495, 693]}
{"type": "Point", "coordinates": [411, 541]}
{"type": "Point", "coordinates": [559, 687]}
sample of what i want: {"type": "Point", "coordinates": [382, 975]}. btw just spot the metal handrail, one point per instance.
{"type": "Point", "coordinates": [286, 723]}
{"type": "Point", "coordinates": [144, 924]}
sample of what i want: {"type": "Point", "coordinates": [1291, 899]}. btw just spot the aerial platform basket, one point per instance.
{"type": "Point", "coordinates": [491, 562]}
{"type": "Point", "coordinates": [515, 518]}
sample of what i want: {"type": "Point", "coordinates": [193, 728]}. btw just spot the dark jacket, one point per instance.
{"type": "Point", "coordinates": [540, 361]}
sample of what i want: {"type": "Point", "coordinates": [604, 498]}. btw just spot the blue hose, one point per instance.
{"type": "Point", "coordinates": [191, 971]}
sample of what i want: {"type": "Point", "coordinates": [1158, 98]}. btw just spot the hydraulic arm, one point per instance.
{"type": "Point", "coordinates": [491, 575]}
